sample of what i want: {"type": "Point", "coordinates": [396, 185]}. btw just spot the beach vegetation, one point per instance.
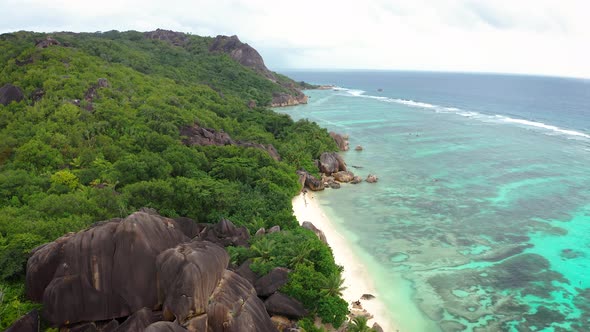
{"type": "Point", "coordinates": [81, 152]}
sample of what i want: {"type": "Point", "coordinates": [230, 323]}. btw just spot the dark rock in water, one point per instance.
{"type": "Point", "coordinates": [225, 233]}
{"type": "Point", "coordinates": [274, 229]}
{"type": "Point", "coordinates": [372, 178]}
{"type": "Point", "coordinates": [358, 148]}
{"type": "Point", "coordinates": [343, 176]}
{"type": "Point", "coordinates": [48, 41]}
{"type": "Point", "coordinates": [331, 162]}
{"type": "Point", "coordinates": [187, 276]}
{"type": "Point", "coordinates": [166, 327]}
{"type": "Point", "coordinates": [309, 181]}
{"type": "Point", "coordinates": [140, 319]}
{"type": "Point", "coordinates": [27, 323]}
{"type": "Point", "coordinates": [104, 272]}
{"type": "Point", "coordinates": [10, 93]}
{"type": "Point", "coordinates": [335, 185]}
{"type": "Point", "coordinates": [234, 307]}
{"type": "Point", "coordinates": [367, 297]}
{"type": "Point", "coordinates": [245, 272]}
{"type": "Point", "coordinates": [356, 180]}
{"type": "Point", "coordinates": [281, 304]}
{"type": "Point", "coordinates": [341, 141]}
{"type": "Point", "coordinates": [320, 234]}
{"type": "Point", "coordinates": [271, 282]}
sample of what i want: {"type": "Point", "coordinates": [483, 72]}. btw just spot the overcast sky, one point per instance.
{"type": "Point", "coordinates": [510, 36]}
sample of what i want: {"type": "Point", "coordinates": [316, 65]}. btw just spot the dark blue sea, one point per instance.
{"type": "Point", "coordinates": [480, 220]}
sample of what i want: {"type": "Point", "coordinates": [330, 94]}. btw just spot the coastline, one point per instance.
{"type": "Point", "coordinates": [357, 280]}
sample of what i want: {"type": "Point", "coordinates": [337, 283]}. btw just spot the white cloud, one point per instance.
{"type": "Point", "coordinates": [526, 36]}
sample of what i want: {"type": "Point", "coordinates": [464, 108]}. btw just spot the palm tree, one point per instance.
{"type": "Point", "coordinates": [263, 249]}
{"type": "Point", "coordinates": [359, 324]}
{"type": "Point", "coordinates": [333, 285]}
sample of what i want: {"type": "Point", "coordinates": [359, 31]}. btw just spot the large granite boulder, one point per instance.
{"type": "Point", "coordinates": [225, 233]}
{"type": "Point", "coordinates": [371, 178]}
{"type": "Point", "coordinates": [318, 232]}
{"type": "Point", "coordinates": [340, 140]}
{"type": "Point", "coordinates": [10, 93]}
{"type": "Point", "coordinates": [246, 272]}
{"type": "Point", "coordinates": [309, 181]}
{"type": "Point", "coordinates": [331, 162]}
{"type": "Point", "coordinates": [283, 305]}
{"type": "Point", "coordinates": [172, 37]}
{"type": "Point", "coordinates": [343, 176]}
{"type": "Point", "coordinates": [272, 281]}
{"type": "Point", "coordinates": [187, 276]}
{"type": "Point", "coordinates": [234, 307]}
{"type": "Point", "coordinates": [27, 323]}
{"type": "Point", "coordinates": [167, 327]}
{"type": "Point", "coordinates": [104, 272]}
{"type": "Point", "coordinates": [140, 319]}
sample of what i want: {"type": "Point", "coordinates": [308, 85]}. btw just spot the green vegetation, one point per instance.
{"type": "Point", "coordinates": [64, 166]}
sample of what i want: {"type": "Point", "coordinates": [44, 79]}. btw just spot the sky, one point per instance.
{"type": "Point", "coordinates": [543, 37]}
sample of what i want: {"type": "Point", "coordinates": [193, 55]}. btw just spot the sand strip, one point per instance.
{"type": "Point", "coordinates": [356, 278]}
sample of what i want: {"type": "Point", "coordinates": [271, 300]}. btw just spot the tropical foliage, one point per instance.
{"type": "Point", "coordinates": [74, 152]}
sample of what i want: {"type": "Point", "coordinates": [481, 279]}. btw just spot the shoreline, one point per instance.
{"type": "Point", "coordinates": [357, 279]}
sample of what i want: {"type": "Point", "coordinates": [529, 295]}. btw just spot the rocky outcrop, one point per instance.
{"type": "Point", "coordinates": [187, 276]}
{"type": "Point", "coordinates": [272, 281]}
{"type": "Point", "coordinates": [331, 162]}
{"type": "Point", "coordinates": [197, 135]}
{"type": "Point", "coordinates": [234, 307]}
{"type": "Point", "coordinates": [320, 234]}
{"type": "Point", "coordinates": [104, 272]}
{"type": "Point", "coordinates": [283, 305]}
{"type": "Point", "coordinates": [341, 141]}
{"type": "Point", "coordinates": [172, 37]}
{"type": "Point", "coordinates": [356, 180]}
{"type": "Point", "coordinates": [242, 53]}
{"type": "Point", "coordinates": [10, 93]}
{"type": "Point", "coordinates": [309, 181]}
{"type": "Point", "coordinates": [47, 42]}
{"type": "Point", "coordinates": [358, 148]}
{"type": "Point", "coordinates": [225, 233]}
{"type": "Point", "coordinates": [27, 323]}
{"type": "Point", "coordinates": [127, 268]}
{"type": "Point", "coordinates": [92, 93]}
{"type": "Point", "coordinates": [343, 176]}
{"type": "Point", "coordinates": [246, 272]}
{"type": "Point", "coordinates": [283, 99]}
{"type": "Point", "coordinates": [371, 178]}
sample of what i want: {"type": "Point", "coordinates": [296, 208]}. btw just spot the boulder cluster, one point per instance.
{"type": "Point", "coordinates": [333, 169]}
{"type": "Point", "coordinates": [148, 272]}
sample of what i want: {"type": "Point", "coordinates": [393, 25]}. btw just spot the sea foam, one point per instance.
{"type": "Point", "coordinates": [549, 129]}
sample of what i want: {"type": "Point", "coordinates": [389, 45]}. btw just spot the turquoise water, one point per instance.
{"type": "Point", "coordinates": [480, 220]}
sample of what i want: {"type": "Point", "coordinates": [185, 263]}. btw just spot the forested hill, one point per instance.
{"type": "Point", "coordinates": [94, 126]}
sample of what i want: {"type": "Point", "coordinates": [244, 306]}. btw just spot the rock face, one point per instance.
{"type": "Point", "coordinates": [309, 181]}
{"type": "Point", "coordinates": [104, 272]}
{"type": "Point", "coordinates": [320, 234]}
{"type": "Point", "coordinates": [10, 93]}
{"type": "Point", "coordinates": [175, 38]}
{"type": "Point", "coordinates": [283, 305]}
{"type": "Point", "coordinates": [242, 53]}
{"type": "Point", "coordinates": [284, 99]}
{"type": "Point", "coordinates": [27, 323]}
{"type": "Point", "coordinates": [197, 135]}
{"type": "Point", "coordinates": [271, 282]}
{"type": "Point", "coordinates": [187, 275]}
{"type": "Point", "coordinates": [331, 162]}
{"type": "Point", "coordinates": [92, 93]}
{"type": "Point", "coordinates": [133, 266]}
{"type": "Point", "coordinates": [48, 41]}
{"type": "Point", "coordinates": [341, 141]}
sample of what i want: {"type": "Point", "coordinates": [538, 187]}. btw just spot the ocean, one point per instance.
{"type": "Point", "coordinates": [480, 220]}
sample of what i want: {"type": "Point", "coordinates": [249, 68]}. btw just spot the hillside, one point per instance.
{"type": "Point", "coordinates": [95, 126]}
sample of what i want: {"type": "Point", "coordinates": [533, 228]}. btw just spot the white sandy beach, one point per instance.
{"type": "Point", "coordinates": [356, 278]}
